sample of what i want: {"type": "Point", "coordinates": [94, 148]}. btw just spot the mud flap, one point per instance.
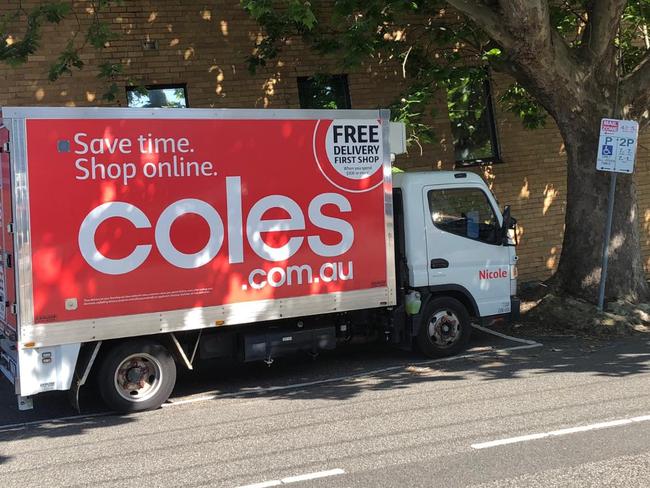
{"type": "Point", "coordinates": [87, 357]}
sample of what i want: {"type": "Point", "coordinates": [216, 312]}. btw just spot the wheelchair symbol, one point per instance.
{"type": "Point", "coordinates": [608, 150]}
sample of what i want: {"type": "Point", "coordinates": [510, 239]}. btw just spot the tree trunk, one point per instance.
{"type": "Point", "coordinates": [580, 265]}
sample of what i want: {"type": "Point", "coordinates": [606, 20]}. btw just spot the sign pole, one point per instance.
{"type": "Point", "coordinates": [616, 154]}
{"type": "Point", "coordinates": [605, 142]}
{"type": "Point", "coordinates": [608, 233]}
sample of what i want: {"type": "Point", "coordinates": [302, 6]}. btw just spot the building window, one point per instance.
{"type": "Point", "coordinates": [165, 96]}
{"type": "Point", "coordinates": [465, 212]}
{"type": "Point", "coordinates": [324, 91]}
{"type": "Point", "coordinates": [471, 114]}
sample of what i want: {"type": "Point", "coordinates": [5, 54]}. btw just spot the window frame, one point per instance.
{"type": "Point", "coordinates": [160, 86]}
{"type": "Point", "coordinates": [495, 214]}
{"type": "Point", "coordinates": [302, 80]}
{"type": "Point", "coordinates": [492, 126]}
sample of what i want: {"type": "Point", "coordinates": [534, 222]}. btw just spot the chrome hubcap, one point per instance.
{"type": "Point", "coordinates": [444, 328]}
{"type": "Point", "coordinates": [138, 377]}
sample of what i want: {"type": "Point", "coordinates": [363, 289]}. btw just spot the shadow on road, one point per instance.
{"type": "Point", "coordinates": [608, 359]}
{"type": "Point", "coordinates": [346, 375]}
{"type": "Point", "coordinates": [343, 375]}
{"type": "Point", "coordinates": [61, 428]}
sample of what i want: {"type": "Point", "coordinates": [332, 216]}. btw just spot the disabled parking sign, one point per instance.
{"type": "Point", "coordinates": [617, 145]}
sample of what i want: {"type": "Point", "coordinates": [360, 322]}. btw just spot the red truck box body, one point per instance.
{"type": "Point", "coordinates": [139, 221]}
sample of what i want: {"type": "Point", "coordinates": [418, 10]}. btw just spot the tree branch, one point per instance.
{"type": "Point", "coordinates": [521, 27]}
{"type": "Point", "coordinates": [533, 48]}
{"type": "Point", "coordinates": [637, 81]}
{"type": "Point", "coordinates": [635, 94]}
{"type": "Point", "coordinates": [487, 19]}
{"type": "Point", "coordinates": [603, 18]}
{"type": "Point", "coordinates": [528, 20]}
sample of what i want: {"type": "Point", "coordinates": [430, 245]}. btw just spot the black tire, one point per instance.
{"type": "Point", "coordinates": [445, 328]}
{"type": "Point", "coordinates": [136, 375]}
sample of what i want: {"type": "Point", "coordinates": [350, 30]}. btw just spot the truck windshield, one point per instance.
{"type": "Point", "coordinates": [465, 212]}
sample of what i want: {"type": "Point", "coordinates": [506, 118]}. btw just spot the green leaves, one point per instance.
{"type": "Point", "coordinates": [297, 14]}
{"type": "Point", "coordinates": [258, 9]}
{"type": "Point", "coordinates": [99, 34]}
{"type": "Point", "coordinates": [285, 19]}
{"type": "Point", "coordinates": [634, 34]}
{"type": "Point", "coordinates": [110, 70]}
{"type": "Point", "coordinates": [413, 109]}
{"type": "Point", "coordinates": [492, 54]}
{"type": "Point", "coordinates": [518, 101]}
{"type": "Point", "coordinates": [55, 12]}
{"type": "Point", "coordinates": [67, 60]}
{"type": "Point", "coordinates": [469, 107]}
{"type": "Point", "coordinates": [301, 13]}
{"type": "Point", "coordinates": [16, 50]}
{"type": "Point", "coordinates": [430, 44]}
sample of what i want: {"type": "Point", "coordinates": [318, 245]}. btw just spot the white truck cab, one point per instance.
{"type": "Point", "coordinates": [458, 254]}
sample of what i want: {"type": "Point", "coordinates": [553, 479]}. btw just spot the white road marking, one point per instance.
{"type": "Point", "coordinates": [263, 484]}
{"type": "Point", "coordinates": [312, 476]}
{"type": "Point", "coordinates": [556, 433]}
{"type": "Point", "coordinates": [504, 336]}
{"type": "Point", "coordinates": [296, 479]}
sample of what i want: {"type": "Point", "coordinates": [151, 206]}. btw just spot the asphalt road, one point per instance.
{"type": "Point", "coordinates": [385, 420]}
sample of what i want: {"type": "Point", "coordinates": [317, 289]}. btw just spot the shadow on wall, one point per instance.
{"type": "Point", "coordinates": [153, 47]}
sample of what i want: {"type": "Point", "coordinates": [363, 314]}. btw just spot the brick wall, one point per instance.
{"type": "Point", "coordinates": [204, 44]}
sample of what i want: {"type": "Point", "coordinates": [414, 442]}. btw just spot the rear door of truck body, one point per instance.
{"type": "Point", "coordinates": [7, 277]}
{"type": "Point", "coordinates": [8, 323]}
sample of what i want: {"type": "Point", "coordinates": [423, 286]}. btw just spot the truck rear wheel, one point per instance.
{"type": "Point", "coordinates": [445, 328]}
{"type": "Point", "coordinates": [137, 375]}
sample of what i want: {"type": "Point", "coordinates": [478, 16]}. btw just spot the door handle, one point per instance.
{"type": "Point", "coordinates": [439, 263]}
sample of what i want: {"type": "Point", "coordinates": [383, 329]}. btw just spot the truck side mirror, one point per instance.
{"type": "Point", "coordinates": [509, 222]}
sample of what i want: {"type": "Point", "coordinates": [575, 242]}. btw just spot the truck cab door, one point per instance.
{"type": "Point", "coordinates": [464, 248]}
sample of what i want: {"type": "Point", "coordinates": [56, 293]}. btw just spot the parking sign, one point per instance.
{"type": "Point", "coordinates": [617, 145]}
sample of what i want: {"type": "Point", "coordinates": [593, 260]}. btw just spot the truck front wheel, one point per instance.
{"type": "Point", "coordinates": [137, 375]}
{"type": "Point", "coordinates": [445, 328]}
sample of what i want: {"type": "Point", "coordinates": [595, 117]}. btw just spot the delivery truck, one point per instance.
{"type": "Point", "coordinates": [138, 241]}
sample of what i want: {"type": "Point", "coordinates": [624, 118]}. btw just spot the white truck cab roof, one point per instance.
{"type": "Point", "coordinates": [422, 178]}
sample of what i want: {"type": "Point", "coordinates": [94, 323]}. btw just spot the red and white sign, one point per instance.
{"type": "Point", "coordinates": [133, 216]}
{"type": "Point", "coordinates": [609, 125]}
{"type": "Point", "coordinates": [617, 145]}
